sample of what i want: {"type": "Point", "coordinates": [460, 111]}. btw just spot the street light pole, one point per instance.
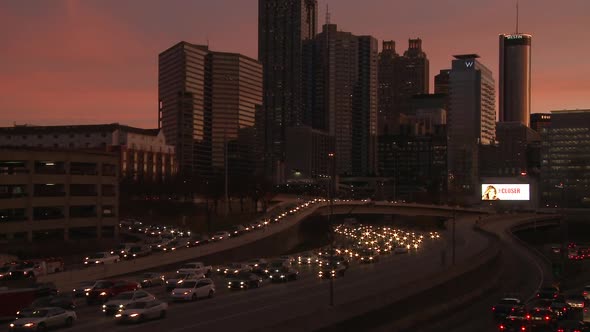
{"type": "Point", "coordinates": [331, 155]}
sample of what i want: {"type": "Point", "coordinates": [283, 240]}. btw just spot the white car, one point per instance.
{"type": "Point", "coordinates": [195, 267]}
{"type": "Point", "coordinates": [122, 249]}
{"type": "Point", "coordinates": [140, 311]}
{"type": "Point", "coordinates": [179, 278]}
{"type": "Point", "coordinates": [41, 319]}
{"type": "Point", "coordinates": [120, 301]}
{"type": "Point", "coordinates": [101, 258]}
{"type": "Point", "coordinates": [220, 236]}
{"type": "Point", "coordinates": [194, 289]}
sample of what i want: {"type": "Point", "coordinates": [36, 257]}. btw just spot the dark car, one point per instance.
{"type": "Point", "coordinates": [560, 307]}
{"type": "Point", "coordinates": [368, 256]}
{"type": "Point", "coordinates": [61, 301]}
{"type": "Point", "coordinates": [137, 251]}
{"type": "Point", "coordinates": [516, 320]}
{"type": "Point", "coordinates": [105, 289]}
{"type": "Point", "coordinates": [548, 293]}
{"type": "Point", "coordinates": [542, 318]}
{"type": "Point", "coordinates": [244, 281]}
{"type": "Point", "coordinates": [283, 274]}
{"type": "Point", "coordinates": [197, 240]}
{"type": "Point", "coordinates": [572, 326]}
{"type": "Point", "coordinates": [83, 287]}
{"type": "Point", "coordinates": [505, 307]}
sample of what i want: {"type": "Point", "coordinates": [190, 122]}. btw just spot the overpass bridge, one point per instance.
{"type": "Point", "coordinates": [383, 207]}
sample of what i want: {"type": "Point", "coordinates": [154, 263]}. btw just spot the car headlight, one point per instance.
{"type": "Point", "coordinates": [96, 262]}
{"type": "Point", "coordinates": [241, 282]}
{"type": "Point", "coordinates": [104, 306]}
{"type": "Point", "coordinates": [29, 325]}
{"type": "Point", "coordinates": [103, 293]}
{"type": "Point", "coordinates": [117, 315]}
{"type": "Point", "coordinates": [11, 325]}
{"type": "Point", "coordinates": [282, 276]}
{"type": "Point", "coordinates": [185, 293]}
{"type": "Point", "coordinates": [134, 315]}
{"type": "Point", "coordinates": [121, 306]}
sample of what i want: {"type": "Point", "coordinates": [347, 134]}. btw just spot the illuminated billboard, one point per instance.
{"type": "Point", "coordinates": [505, 192]}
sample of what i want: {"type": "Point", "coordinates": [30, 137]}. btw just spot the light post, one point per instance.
{"type": "Point", "coordinates": [331, 193]}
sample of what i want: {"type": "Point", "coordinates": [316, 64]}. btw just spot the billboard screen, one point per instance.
{"type": "Point", "coordinates": [505, 192]}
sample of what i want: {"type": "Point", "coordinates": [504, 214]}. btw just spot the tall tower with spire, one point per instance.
{"type": "Point", "coordinates": [515, 76]}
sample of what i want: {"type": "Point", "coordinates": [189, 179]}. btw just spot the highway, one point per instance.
{"type": "Point", "coordinates": [522, 273]}
{"type": "Point", "coordinates": [278, 306]}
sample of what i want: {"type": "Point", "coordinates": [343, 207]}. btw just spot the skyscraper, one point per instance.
{"type": "Point", "coordinates": [284, 26]}
{"type": "Point", "coordinates": [472, 120]}
{"type": "Point", "coordinates": [387, 88]}
{"type": "Point", "coordinates": [207, 100]}
{"type": "Point", "coordinates": [345, 89]}
{"type": "Point", "coordinates": [442, 81]}
{"type": "Point", "coordinates": [182, 96]}
{"type": "Point", "coordinates": [412, 74]}
{"type": "Point", "coordinates": [515, 78]}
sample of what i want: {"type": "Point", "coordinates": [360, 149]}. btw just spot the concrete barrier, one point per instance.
{"type": "Point", "coordinates": [69, 279]}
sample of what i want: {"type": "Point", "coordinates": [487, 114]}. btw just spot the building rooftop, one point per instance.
{"type": "Point", "coordinates": [466, 56]}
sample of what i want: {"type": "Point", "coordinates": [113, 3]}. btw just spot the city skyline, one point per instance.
{"type": "Point", "coordinates": [105, 70]}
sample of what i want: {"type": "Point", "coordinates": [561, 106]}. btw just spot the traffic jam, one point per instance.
{"type": "Point", "coordinates": [149, 295]}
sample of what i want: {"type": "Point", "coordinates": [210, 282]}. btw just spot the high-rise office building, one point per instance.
{"type": "Point", "coordinates": [236, 91]}
{"type": "Point", "coordinates": [472, 119]}
{"type": "Point", "coordinates": [387, 88]}
{"type": "Point", "coordinates": [181, 108]}
{"type": "Point", "coordinates": [412, 74]}
{"type": "Point", "coordinates": [207, 104]}
{"type": "Point", "coordinates": [515, 78]}
{"type": "Point", "coordinates": [345, 86]}
{"type": "Point", "coordinates": [284, 26]}
{"type": "Point", "coordinates": [565, 156]}
{"type": "Point", "coordinates": [442, 81]}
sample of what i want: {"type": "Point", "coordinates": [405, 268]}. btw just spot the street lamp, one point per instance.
{"type": "Point", "coordinates": [331, 193]}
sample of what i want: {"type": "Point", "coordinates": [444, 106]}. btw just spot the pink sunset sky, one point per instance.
{"type": "Point", "coordinates": [82, 62]}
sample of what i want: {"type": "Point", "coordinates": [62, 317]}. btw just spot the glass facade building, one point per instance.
{"type": "Point", "coordinates": [515, 78]}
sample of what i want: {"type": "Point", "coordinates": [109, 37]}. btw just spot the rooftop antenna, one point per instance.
{"type": "Point", "coordinates": [327, 14]}
{"type": "Point", "coordinates": [517, 17]}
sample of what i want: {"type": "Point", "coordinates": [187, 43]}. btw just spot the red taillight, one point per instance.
{"type": "Point", "coordinates": [554, 296]}
{"type": "Point", "coordinates": [564, 309]}
{"type": "Point", "coordinates": [493, 308]}
{"type": "Point", "coordinates": [502, 327]}
{"type": "Point", "coordinates": [523, 328]}
{"type": "Point", "coordinates": [560, 330]}
{"type": "Point", "coordinates": [528, 316]}
{"type": "Point", "coordinates": [546, 317]}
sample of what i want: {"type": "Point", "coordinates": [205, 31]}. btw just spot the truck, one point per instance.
{"type": "Point", "coordinates": [195, 267]}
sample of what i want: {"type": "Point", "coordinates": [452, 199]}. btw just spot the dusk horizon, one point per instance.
{"type": "Point", "coordinates": [96, 62]}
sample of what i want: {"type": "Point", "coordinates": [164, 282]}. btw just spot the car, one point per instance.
{"type": "Point", "coordinates": [122, 249]}
{"type": "Point", "coordinates": [328, 271]}
{"type": "Point", "coordinates": [237, 230]}
{"type": "Point", "coordinates": [560, 307]}
{"type": "Point", "coordinates": [254, 263]}
{"type": "Point", "coordinates": [283, 274]}
{"type": "Point", "coordinates": [306, 258]}
{"type": "Point", "coordinates": [118, 302]}
{"type": "Point", "coordinates": [244, 281]}
{"type": "Point", "coordinates": [233, 269]}
{"type": "Point", "coordinates": [218, 236]}
{"type": "Point", "coordinates": [63, 301]}
{"type": "Point", "coordinates": [576, 301]}
{"type": "Point", "coordinates": [368, 256]}
{"type": "Point", "coordinates": [83, 287]}
{"type": "Point", "coordinates": [196, 268]}
{"type": "Point", "coordinates": [137, 312]}
{"type": "Point", "coordinates": [586, 292]}
{"type": "Point", "coordinates": [101, 258]}
{"type": "Point", "coordinates": [149, 279]}
{"type": "Point", "coordinates": [541, 318]}
{"type": "Point", "coordinates": [197, 240]}
{"type": "Point", "coordinates": [506, 306]}
{"type": "Point", "coordinates": [160, 244]}
{"type": "Point", "coordinates": [193, 289]}
{"type": "Point", "coordinates": [179, 278]}
{"type": "Point", "coordinates": [137, 251]}
{"type": "Point", "coordinates": [43, 318]}
{"type": "Point", "coordinates": [516, 320]}
{"type": "Point", "coordinates": [104, 290]}
{"type": "Point", "coordinates": [5, 271]}
{"type": "Point", "coordinates": [548, 293]}
{"type": "Point", "coordinates": [572, 326]}
{"type": "Point", "coordinates": [175, 244]}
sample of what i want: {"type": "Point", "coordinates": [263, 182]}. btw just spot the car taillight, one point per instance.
{"type": "Point", "coordinates": [528, 316]}
{"type": "Point", "coordinates": [560, 330]}
{"type": "Point", "coordinates": [523, 328]}
{"type": "Point", "coordinates": [585, 293]}
{"type": "Point", "coordinates": [546, 317]}
{"type": "Point", "coordinates": [502, 327]}
{"type": "Point", "coordinates": [493, 308]}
